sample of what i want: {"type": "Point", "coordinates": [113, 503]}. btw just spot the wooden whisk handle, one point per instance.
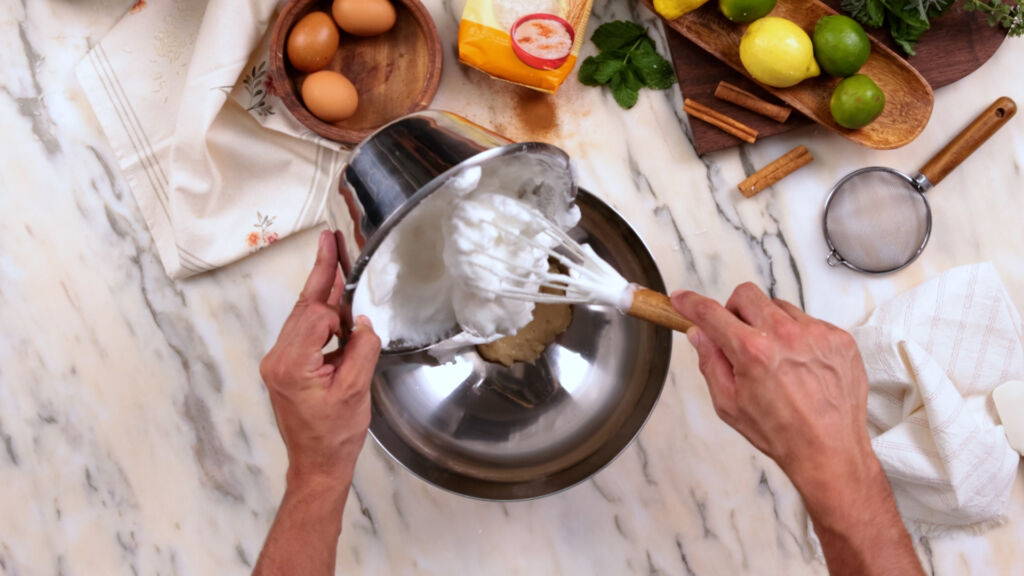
{"type": "Point", "coordinates": [966, 142]}
{"type": "Point", "coordinates": [656, 308]}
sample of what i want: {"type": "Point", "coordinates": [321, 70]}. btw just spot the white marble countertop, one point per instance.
{"type": "Point", "coordinates": [136, 437]}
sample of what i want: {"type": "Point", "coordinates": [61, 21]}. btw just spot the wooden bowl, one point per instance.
{"type": "Point", "coordinates": [395, 73]}
{"type": "Point", "coordinates": [908, 97]}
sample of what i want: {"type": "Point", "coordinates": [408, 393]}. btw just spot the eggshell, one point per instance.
{"type": "Point", "coordinates": [312, 42]}
{"type": "Point", "coordinates": [364, 17]}
{"type": "Point", "coordinates": [330, 96]}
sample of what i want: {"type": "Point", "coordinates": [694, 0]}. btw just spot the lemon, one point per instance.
{"type": "Point", "coordinates": [672, 9]}
{"type": "Point", "coordinates": [777, 52]}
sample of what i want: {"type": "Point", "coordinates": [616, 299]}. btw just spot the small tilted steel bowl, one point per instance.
{"type": "Point", "coordinates": [477, 428]}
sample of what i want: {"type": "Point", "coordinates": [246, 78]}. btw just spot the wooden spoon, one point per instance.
{"type": "Point", "coordinates": [908, 97]}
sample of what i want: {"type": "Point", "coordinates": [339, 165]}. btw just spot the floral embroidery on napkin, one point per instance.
{"type": "Point", "coordinates": [261, 237]}
{"type": "Point", "coordinates": [138, 6]}
{"type": "Point", "coordinates": [258, 85]}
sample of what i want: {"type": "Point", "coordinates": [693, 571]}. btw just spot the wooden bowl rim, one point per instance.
{"type": "Point", "coordinates": [286, 86]}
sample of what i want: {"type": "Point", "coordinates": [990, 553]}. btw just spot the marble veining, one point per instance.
{"type": "Point", "coordinates": [136, 437]}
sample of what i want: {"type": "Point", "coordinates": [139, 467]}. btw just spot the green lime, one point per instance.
{"type": "Point", "coordinates": [856, 102]}
{"type": "Point", "coordinates": [745, 10]}
{"type": "Point", "coordinates": [840, 45]}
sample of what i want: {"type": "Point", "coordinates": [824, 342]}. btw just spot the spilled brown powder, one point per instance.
{"type": "Point", "coordinates": [536, 111]}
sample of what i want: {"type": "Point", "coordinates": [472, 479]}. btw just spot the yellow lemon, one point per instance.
{"type": "Point", "coordinates": [672, 9]}
{"type": "Point", "coordinates": [777, 52]}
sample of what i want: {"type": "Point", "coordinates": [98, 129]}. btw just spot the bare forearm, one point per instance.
{"type": "Point", "coordinates": [304, 536]}
{"type": "Point", "coordinates": [859, 526]}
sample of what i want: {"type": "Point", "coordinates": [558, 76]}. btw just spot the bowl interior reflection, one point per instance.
{"type": "Point", "coordinates": [486, 431]}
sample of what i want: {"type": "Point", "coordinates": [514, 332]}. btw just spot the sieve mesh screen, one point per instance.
{"type": "Point", "coordinates": [877, 220]}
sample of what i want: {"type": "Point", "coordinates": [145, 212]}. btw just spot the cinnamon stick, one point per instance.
{"type": "Point", "coordinates": [777, 170]}
{"type": "Point", "coordinates": [741, 97]}
{"type": "Point", "coordinates": [715, 118]}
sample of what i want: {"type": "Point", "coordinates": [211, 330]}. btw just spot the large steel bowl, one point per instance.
{"type": "Point", "coordinates": [486, 431]}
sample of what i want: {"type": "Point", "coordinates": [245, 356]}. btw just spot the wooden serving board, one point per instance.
{"type": "Point", "coordinates": [958, 44]}
{"type": "Point", "coordinates": [908, 96]}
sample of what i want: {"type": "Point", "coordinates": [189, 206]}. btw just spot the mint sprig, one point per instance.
{"type": "Point", "coordinates": [616, 35]}
{"type": "Point", "coordinates": [628, 62]}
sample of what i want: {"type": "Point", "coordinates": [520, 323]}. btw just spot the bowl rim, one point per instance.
{"type": "Point", "coordinates": [664, 368]}
{"type": "Point", "coordinates": [286, 87]}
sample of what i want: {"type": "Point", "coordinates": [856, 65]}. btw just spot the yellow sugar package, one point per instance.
{"type": "Point", "coordinates": [529, 42]}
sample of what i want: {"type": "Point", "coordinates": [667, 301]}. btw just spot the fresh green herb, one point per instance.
{"type": "Point", "coordinates": [628, 62]}
{"type": "Point", "coordinates": [617, 35]}
{"type": "Point", "coordinates": [1009, 13]}
{"type": "Point", "coordinates": [868, 12]}
{"type": "Point", "coordinates": [909, 19]}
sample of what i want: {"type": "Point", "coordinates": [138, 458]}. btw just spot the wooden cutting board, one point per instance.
{"type": "Point", "coordinates": [958, 44]}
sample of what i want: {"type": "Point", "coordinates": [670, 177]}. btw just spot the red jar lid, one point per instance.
{"type": "Point", "coordinates": [542, 41]}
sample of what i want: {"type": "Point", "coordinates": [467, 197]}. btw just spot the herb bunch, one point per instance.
{"type": "Point", "coordinates": [628, 62]}
{"type": "Point", "coordinates": [1006, 13]}
{"type": "Point", "coordinates": [909, 19]}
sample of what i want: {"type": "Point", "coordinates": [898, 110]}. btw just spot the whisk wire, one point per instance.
{"type": "Point", "coordinates": [519, 281]}
{"type": "Point", "coordinates": [541, 297]}
{"type": "Point", "coordinates": [512, 272]}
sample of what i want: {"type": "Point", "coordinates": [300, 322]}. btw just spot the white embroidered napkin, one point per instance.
{"type": "Point", "coordinates": [933, 357]}
{"type": "Point", "coordinates": [182, 91]}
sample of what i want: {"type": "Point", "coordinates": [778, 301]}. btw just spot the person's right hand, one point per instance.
{"type": "Point", "coordinates": [793, 385]}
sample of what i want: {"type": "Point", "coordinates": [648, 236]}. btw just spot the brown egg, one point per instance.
{"type": "Point", "coordinates": [312, 42]}
{"type": "Point", "coordinates": [329, 96]}
{"type": "Point", "coordinates": [364, 17]}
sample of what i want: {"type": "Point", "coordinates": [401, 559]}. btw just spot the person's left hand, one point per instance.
{"type": "Point", "coordinates": [322, 401]}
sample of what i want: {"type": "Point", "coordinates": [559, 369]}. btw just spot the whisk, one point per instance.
{"type": "Point", "coordinates": [590, 279]}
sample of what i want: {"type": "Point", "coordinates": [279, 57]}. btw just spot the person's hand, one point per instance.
{"type": "Point", "coordinates": [793, 385]}
{"type": "Point", "coordinates": [322, 401]}
{"type": "Point", "coordinates": [322, 405]}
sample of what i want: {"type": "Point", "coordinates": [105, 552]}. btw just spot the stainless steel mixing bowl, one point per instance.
{"type": "Point", "coordinates": [487, 431]}
{"type": "Point", "coordinates": [480, 429]}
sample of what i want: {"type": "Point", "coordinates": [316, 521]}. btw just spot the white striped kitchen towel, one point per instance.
{"type": "Point", "coordinates": [217, 165]}
{"type": "Point", "coordinates": [933, 356]}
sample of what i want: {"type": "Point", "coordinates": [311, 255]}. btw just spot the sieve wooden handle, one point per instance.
{"type": "Point", "coordinates": [966, 142]}
{"type": "Point", "coordinates": [656, 308]}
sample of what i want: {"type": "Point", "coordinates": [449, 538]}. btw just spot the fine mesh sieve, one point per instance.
{"type": "Point", "coordinates": [877, 220]}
